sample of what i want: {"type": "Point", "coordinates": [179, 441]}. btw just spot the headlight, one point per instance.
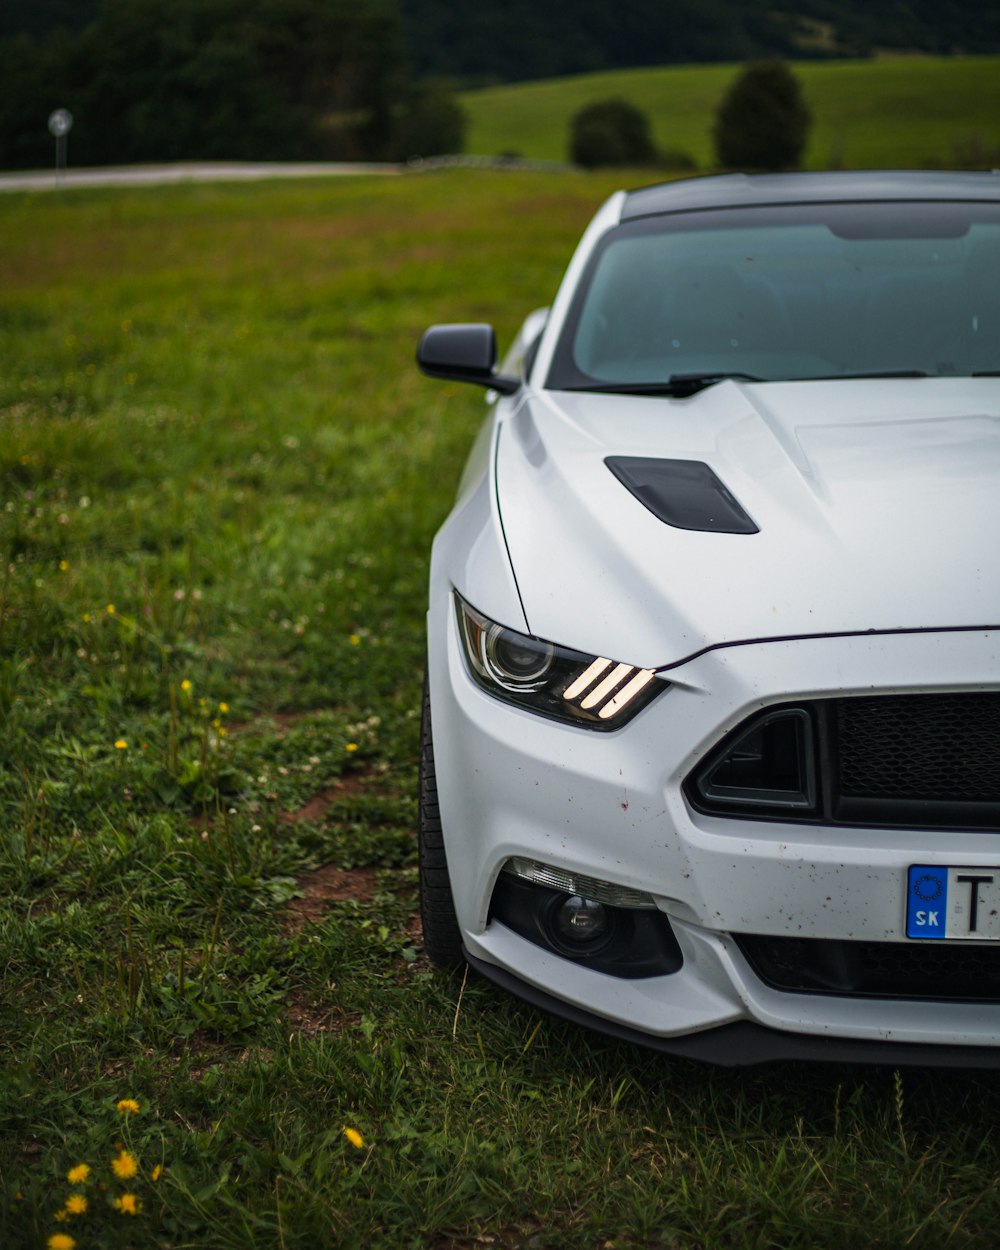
{"type": "Point", "coordinates": [551, 680]}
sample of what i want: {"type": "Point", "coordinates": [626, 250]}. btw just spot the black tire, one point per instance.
{"type": "Point", "coordinates": [442, 937]}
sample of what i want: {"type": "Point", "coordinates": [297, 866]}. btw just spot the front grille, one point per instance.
{"type": "Point", "coordinates": [920, 970]}
{"type": "Point", "coordinates": [937, 747]}
{"type": "Point", "coordinates": [921, 761]}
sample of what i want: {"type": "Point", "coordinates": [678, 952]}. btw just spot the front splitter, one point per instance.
{"type": "Point", "coordinates": [744, 1043]}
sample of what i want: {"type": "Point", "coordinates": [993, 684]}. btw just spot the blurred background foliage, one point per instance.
{"type": "Point", "coordinates": [153, 80]}
{"type": "Point", "coordinates": [203, 79]}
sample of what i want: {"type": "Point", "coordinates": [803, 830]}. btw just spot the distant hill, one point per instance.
{"type": "Point", "coordinates": [518, 40]}
{"type": "Point", "coordinates": [495, 41]}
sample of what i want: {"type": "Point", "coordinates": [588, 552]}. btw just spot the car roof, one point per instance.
{"type": "Point", "coordinates": [744, 190]}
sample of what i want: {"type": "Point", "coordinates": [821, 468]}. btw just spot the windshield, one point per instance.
{"type": "Point", "coordinates": [800, 291]}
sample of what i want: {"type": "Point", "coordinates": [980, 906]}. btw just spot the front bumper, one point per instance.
{"type": "Point", "coordinates": [744, 1043]}
{"type": "Point", "coordinates": [610, 806]}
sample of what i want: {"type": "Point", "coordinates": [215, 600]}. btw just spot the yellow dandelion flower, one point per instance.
{"type": "Point", "coordinates": [223, 732]}
{"type": "Point", "coordinates": [76, 1204]}
{"type": "Point", "coordinates": [355, 640]}
{"type": "Point", "coordinates": [86, 617]}
{"type": "Point", "coordinates": [121, 744]}
{"type": "Point", "coordinates": [354, 1137]}
{"type": "Point", "coordinates": [156, 1173]}
{"type": "Point", "coordinates": [63, 566]}
{"type": "Point", "coordinates": [223, 708]}
{"type": "Point", "coordinates": [186, 686]}
{"type": "Point", "coordinates": [351, 746]}
{"type": "Point", "coordinates": [127, 1106]}
{"type": "Point", "coordinates": [61, 1216]}
{"type": "Point", "coordinates": [110, 609]}
{"type": "Point", "coordinates": [124, 1165]}
{"type": "Point", "coordinates": [77, 1175]}
{"type": "Point", "coordinates": [128, 1204]}
{"type": "Point", "coordinates": [61, 1241]}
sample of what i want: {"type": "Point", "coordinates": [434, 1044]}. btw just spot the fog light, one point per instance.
{"type": "Point", "coordinates": [582, 921]}
{"type": "Point", "coordinates": [629, 942]}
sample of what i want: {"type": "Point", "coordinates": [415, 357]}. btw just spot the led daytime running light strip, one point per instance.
{"type": "Point", "coordinates": [608, 692]}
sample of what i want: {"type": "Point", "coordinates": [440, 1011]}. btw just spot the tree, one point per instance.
{"type": "Point", "coordinates": [763, 121]}
{"type": "Point", "coordinates": [209, 79]}
{"type": "Point", "coordinates": [431, 123]}
{"type": "Point", "coordinates": [610, 132]}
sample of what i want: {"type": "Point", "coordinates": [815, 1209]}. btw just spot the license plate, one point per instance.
{"type": "Point", "coordinates": [953, 903]}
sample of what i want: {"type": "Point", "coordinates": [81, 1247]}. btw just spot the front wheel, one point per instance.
{"type": "Point", "coordinates": [442, 937]}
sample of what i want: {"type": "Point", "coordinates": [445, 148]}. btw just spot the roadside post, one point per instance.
{"type": "Point", "coordinates": [60, 124]}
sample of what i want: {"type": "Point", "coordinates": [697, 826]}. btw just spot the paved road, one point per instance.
{"type": "Point", "coordinates": [150, 175]}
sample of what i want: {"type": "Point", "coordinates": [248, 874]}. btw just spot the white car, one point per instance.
{"type": "Point", "coordinates": [711, 749]}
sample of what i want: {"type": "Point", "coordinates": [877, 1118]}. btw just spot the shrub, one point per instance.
{"type": "Point", "coordinates": [433, 123]}
{"type": "Point", "coordinates": [762, 122]}
{"type": "Point", "coordinates": [610, 132]}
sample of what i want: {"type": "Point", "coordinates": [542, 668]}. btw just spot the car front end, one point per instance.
{"type": "Point", "coordinates": [714, 685]}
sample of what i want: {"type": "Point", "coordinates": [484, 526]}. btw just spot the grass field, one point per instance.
{"type": "Point", "coordinates": [885, 113]}
{"type": "Point", "coordinates": [220, 476]}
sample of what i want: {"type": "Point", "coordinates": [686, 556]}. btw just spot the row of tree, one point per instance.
{"type": "Point", "coordinates": [210, 79]}
{"type": "Point", "coordinates": [505, 40]}
{"type": "Point", "coordinates": [762, 123]}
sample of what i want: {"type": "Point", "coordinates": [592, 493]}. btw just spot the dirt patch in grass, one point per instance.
{"type": "Point", "coordinates": [321, 887]}
{"type": "Point", "coordinates": [329, 885]}
{"type": "Point", "coordinates": [343, 788]}
{"type": "Point", "coordinates": [309, 1021]}
{"type": "Point", "coordinates": [513, 1237]}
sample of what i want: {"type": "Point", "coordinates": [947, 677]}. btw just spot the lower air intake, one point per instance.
{"type": "Point", "coordinates": [875, 969]}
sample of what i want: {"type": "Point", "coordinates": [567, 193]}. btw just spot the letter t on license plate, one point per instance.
{"type": "Point", "coordinates": [953, 903]}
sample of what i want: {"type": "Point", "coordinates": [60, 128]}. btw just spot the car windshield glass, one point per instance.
{"type": "Point", "coordinates": [794, 292]}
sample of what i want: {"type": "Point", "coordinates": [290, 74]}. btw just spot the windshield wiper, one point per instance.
{"type": "Point", "coordinates": [677, 386]}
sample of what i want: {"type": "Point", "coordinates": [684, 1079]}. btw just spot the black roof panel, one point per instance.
{"type": "Point", "coordinates": [740, 190]}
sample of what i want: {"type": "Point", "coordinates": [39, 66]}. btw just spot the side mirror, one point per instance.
{"type": "Point", "coordinates": [464, 353]}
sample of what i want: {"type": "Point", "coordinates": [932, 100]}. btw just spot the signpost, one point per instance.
{"type": "Point", "coordinates": [60, 124]}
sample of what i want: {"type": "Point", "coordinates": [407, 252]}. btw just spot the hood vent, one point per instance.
{"type": "Point", "coordinates": [683, 493]}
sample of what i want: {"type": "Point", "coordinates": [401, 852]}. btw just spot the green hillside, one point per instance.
{"type": "Point", "coordinates": [897, 112]}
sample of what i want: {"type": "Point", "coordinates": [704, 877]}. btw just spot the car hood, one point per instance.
{"type": "Point", "coordinates": [877, 504]}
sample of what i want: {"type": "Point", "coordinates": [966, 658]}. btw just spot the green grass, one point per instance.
{"type": "Point", "coordinates": [212, 424]}
{"type": "Point", "coordinates": [886, 113]}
